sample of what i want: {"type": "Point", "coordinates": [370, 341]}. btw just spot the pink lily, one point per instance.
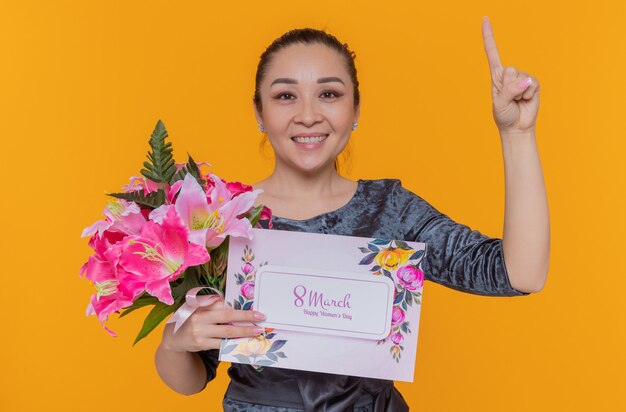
{"type": "Point", "coordinates": [121, 216]}
{"type": "Point", "coordinates": [224, 211]}
{"type": "Point", "coordinates": [159, 256]}
{"type": "Point", "coordinates": [100, 244]}
{"type": "Point", "coordinates": [209, 222]}
{"type": "Point", "coordinates": [236, 188]}
{"type": "Point", "coordinates": [98, 262]}
{"type": "Point", "coordinates": [101, 269]}
{"type": "Point", "coordinates": [109, 299]}
{"type": "Point", "coordinates": [266, 214]}
{"type": "Point", "coordinates": [148, 186]}
{"type": "Point", "coordinates": [140, 183]}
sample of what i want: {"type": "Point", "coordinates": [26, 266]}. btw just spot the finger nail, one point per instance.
{"type": "Point", "coordinates": [259, 316]}
{"type": "Point", "coordinates": [257, 330]}
{"type": "Point", "coordinates": [524, 83]}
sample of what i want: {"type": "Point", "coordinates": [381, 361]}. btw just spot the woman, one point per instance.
{"type": "Point", "coordinates": [307, 102]}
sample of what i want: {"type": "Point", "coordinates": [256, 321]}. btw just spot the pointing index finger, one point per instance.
{"type": "Point", "coordinates": [490, 46]}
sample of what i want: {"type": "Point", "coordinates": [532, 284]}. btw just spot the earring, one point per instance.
{"type": "Point", "coordinates": [354, 125]}
{"type": "Point", "coordinates": [261, 129]}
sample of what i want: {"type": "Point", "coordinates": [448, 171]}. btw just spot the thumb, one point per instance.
{"type": "Point", "coordinates": [512, 91]}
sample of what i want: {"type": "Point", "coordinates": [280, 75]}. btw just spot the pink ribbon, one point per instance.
{"type": "Point", "coordinates": [193, 302]}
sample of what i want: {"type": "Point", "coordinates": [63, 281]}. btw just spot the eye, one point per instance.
{"type": "Point", "coordinates": [285, 96]}
{"type": "Point", "coordinates": [330, 94]}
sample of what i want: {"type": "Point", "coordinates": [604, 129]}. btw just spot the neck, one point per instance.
{"type": "Point", "coordinates": [292, 194]}
{"type": "Point", "coordinates": [287, 183]}
{"type": "Point", "coordinates": [304, 185]}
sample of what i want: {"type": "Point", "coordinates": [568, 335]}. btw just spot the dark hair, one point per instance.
{"type": "Point", "coordinates": [305, 36]}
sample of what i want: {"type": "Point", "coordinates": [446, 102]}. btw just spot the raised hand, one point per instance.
{"type": "Point", "coordinates": [515, 93]}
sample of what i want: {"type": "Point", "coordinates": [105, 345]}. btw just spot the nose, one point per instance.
{"type": "Point", "coordinates": [308, 112]}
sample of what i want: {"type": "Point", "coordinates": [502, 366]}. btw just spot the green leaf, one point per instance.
{"type": "Point", "coordinates": [399, 298]}
{"type": "Point", "coordinates": [403, 245]}
{"type": "Point", "coordinates": [388, 274]}
{"type": "Point", "coordinates": [156, 316]}
{"type": "Point", "coordinates": [161, 167]}
{"type": "Point", "coordinates": [264, 362]}
{"type": "Point", "coordinates": [373, 248]}
{"type": "Point", "coordinates": [367, 259]}
{"type": "Point", "coordinates": [254, 215]}
{"type": "Point", "coordinates": [217, 264]}
{"type": "Point", "coordinates": [408, 298]}
{"type": "Point", "coordinates": [228, 349]}
{"type": "Point", "coordinates": [417, 255]}
{"type": "Point", "coordinates": [277, 345]}
{"type": "Point", "coordinates": [242, 359]}
{"type": "Point", "coordinates": [140, 303]}
{"type": "Point", "coordinates": [190, 168]}
{"type": "Point", "coordinates": [154, 199]}
{"type": "Point", "coordinates": [379, 242]}
{"type": "Point", "coordinates": [190, 280]}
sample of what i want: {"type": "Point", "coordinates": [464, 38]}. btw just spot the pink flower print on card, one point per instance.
{"type": "Point", "coordinates": [247, 290]}
{"type": "Point", "coordinates": [410, 277]}
{"type": "Point", "coordinates": [397, 316]}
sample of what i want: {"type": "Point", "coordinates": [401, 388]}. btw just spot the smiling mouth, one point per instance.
{"type": "Point", "coordinates": [309, 139]}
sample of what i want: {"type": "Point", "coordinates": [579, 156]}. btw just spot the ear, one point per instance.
{"type": "Point", "coordinates": [357, 113]}
{"type": "Point", "coordinates": [257, 114]}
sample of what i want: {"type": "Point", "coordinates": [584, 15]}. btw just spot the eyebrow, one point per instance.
{"type": "Point", "coordinates": [320, 80]}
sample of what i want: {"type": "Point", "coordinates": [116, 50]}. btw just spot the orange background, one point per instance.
{"type": "Point", "coordinates": [83, 83]}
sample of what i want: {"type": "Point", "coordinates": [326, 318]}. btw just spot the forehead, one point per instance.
{"type": "Point", "coordinates": [307, 61]}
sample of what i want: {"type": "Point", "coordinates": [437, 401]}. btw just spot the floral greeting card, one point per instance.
{"type": "Point", "coordinates": [334, 304]}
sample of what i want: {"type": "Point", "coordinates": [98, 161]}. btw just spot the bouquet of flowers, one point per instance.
{"type": "Point", "coordinates": [165, 234]}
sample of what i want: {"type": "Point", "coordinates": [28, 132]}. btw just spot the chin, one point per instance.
{"type": "Point", "coordinates": [311, 167]}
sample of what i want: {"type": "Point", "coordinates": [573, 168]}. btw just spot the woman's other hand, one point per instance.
{"type": "Point", "coordinates": [515, 93]}
{"type": "Point", "coordinates": [207, 326]}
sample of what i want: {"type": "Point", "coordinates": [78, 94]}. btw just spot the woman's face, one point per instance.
{"type": "Point", "coordinates": [307, 101]}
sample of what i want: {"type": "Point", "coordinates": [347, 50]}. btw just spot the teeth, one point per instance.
{"type": "Point", "coordinates": [310, 140]}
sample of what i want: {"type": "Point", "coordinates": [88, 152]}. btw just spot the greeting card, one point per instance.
{"type": "Point", "coordinates": [335, 304]}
